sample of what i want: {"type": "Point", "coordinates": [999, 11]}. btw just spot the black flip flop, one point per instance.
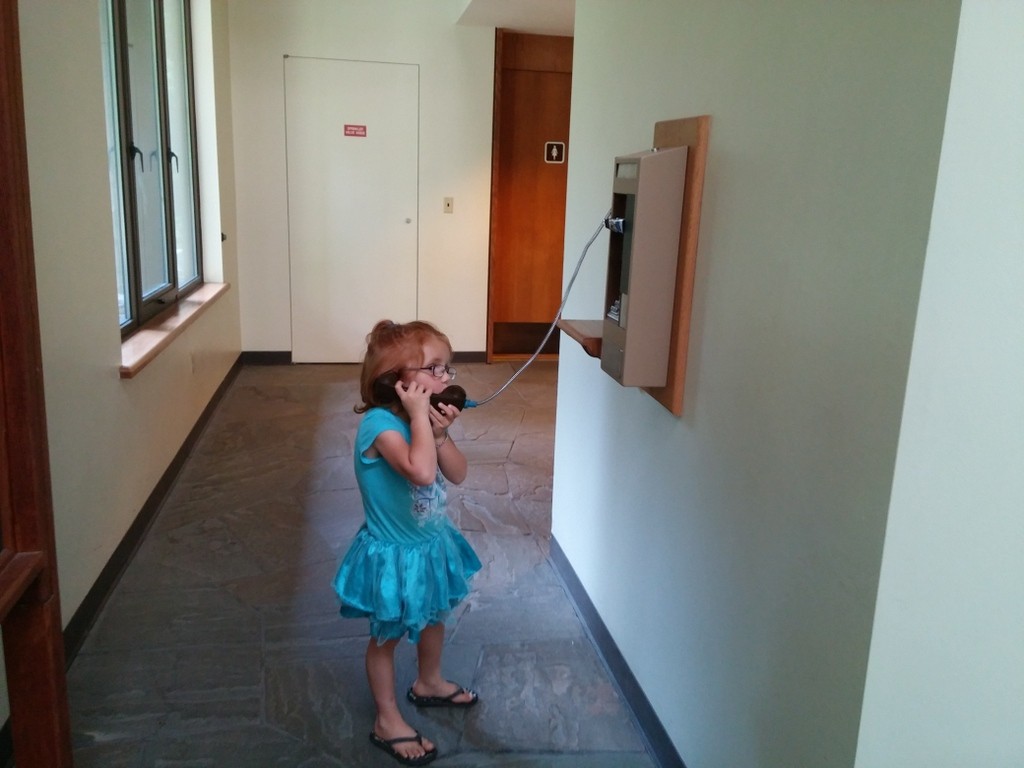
{"type": "Point", "coordinates": [388, 745]}
{"type": "Point", "coordinates": [443, 701]}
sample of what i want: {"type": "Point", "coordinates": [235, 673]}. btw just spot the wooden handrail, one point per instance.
{"type": "Point", "coordinates": [16, 577]}
{"type": "Point", "coordinates": [29, 596]}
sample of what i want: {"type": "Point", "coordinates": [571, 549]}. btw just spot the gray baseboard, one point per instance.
{"type": "Point", "coordinates": [81, 622]}
{"type": "Point", "coordinates": [255, 357]}
{"type": "Point", "coordinates": [658, 742]}
{"type": "Point", "coordinates": [266, 358]}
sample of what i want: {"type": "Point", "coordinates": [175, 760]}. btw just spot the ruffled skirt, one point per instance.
{"type": "Point", "coordinates": [402, 588]}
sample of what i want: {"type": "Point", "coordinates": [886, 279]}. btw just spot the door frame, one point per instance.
{"type": "Point", "coordinates": [29, 596]}
{"type": "Point", "coordinates": [353, 201]}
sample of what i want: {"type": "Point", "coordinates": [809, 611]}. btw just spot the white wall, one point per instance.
{"type": "Point", "coordinates": [734, 553]}
{"type": "Point", "coordinates": [456, 76]}
{"type": "Point", "coordinates": [945, 682]}
{"type": "Point", "coordinates": [110, 440]}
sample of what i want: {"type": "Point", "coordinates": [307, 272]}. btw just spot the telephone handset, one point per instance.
{"type": "Point", "coordinates": [384, 392]}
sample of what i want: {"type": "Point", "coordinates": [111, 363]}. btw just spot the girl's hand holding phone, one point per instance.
{"type": "Point", "coordinates": [415, 398]}
{"type": "Point", "coordinates": [443, 416]}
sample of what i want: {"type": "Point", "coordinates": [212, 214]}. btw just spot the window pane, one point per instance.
{"type": "Point", "coordinates": [179, 120]}
{"type": "Point", "coordinates": [146, 154]}
{"type": "Point", "coordinates": [114, 169]}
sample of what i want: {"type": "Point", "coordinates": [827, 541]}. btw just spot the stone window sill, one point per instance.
{"type": "Point", "coordinates": [144, 345]}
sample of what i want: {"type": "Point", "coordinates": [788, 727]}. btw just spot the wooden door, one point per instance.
{"type": "Point", "coordinates": [29, 600]}
{"type": "Point", "coordinates": [353, 156]}
{"type": "Point", "coordinates": [532, 88]}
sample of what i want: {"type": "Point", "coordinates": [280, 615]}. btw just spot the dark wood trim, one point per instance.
{"type": "Point", "coordinates": [469, 357]}
{"type": "Point", "coordinates": [89, 610]}
{"type": "Point", "coordinates": [659, 744]}
{"type": "Point", "coordinates": [522, 340]}
{"type": "Point", "coordinates": [17, 577]}
{"type": "Point", "coordinates": [499, 46]}
{"type": "Point", "coordinates": [33, 648]}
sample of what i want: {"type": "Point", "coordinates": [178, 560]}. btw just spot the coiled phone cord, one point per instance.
{"type": "Point", "coordinates": [554, 323]}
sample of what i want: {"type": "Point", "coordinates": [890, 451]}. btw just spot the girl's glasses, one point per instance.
{"type": "Point", "coordinates": [437, 371]}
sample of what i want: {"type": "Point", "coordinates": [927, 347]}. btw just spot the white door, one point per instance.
{"type": "Point", "coordinates": [352, 151]}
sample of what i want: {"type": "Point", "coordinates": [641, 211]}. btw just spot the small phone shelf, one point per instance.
{"type": "Point", "coordinates": [690, 132]}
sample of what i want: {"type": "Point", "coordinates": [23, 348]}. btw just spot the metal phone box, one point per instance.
{"type": "Point", "coordinates": [643, 253]}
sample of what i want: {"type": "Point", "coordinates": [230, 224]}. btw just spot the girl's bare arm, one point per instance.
{"type": "Point", "coordinates": [415, 460]}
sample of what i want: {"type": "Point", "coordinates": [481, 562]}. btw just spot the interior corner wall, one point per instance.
{"type": "Point", "coordinates": [945, 680]}
{"type": "Point", "coordinates": [456, 86]}
{"type": "Point", "coordinates": [110, 440]}
{"type": "Point", "coordinates": [734, 553]}
{"type": "Point", "coordinates": [218, 76]}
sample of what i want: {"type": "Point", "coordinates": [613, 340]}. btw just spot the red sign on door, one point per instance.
{"type": "Point", "coordinates": [355, 130]}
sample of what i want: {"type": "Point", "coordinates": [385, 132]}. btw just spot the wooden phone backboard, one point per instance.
{"type": "Point", "coordinates": [690, 132]}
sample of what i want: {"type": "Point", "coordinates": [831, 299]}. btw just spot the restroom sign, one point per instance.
{"type": "Point", "coordinates": [355, 130]}
{"type": "Point", "coordinates": [554, 152]}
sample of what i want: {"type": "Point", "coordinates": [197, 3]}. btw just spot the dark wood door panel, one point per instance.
{"type": "Point", "coordinates": [533, 85]}
{"type": "Point", "coordinates": [530, 218]}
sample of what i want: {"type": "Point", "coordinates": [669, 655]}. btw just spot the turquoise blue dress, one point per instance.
{"type": "Point", "coordinates": [408, 566]}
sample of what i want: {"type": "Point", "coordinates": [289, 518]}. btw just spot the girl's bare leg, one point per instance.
{"type": "Point", "coordinates": [380, 671]}
{"type": "Point", "coordinates": [430, 682]}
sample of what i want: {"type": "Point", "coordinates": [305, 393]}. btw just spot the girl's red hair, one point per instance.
{"type": "Point", "coordinates": [391, 347]}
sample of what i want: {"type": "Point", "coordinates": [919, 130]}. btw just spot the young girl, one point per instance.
{"type": "Point", "coordinates": [408, 565]}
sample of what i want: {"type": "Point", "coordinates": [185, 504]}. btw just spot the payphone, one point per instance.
{"type": "Point", "coordinates": [643, 253]}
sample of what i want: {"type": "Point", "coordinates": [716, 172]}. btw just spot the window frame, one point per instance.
{"type": "Point", "coordinates": [141, 308]}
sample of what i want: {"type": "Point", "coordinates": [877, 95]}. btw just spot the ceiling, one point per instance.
{"type": "Point", "coordinates": [541, 17]}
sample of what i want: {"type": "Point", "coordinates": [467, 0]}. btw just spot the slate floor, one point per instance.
{"type": "Point", "coordinates": [222, 646]}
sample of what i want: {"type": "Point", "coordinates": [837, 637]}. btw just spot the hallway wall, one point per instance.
{"type": "Point", "coordinates": [945, 680]}
{"type": "Point", "coordinates": [456, 75]}
{"type": "Point", "coordinates": [110, 439]}
{"type": "Point", "coordinates": [734, 553]}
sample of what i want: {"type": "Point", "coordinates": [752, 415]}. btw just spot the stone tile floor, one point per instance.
{"type": "Point", "coordinates": [222, 646]}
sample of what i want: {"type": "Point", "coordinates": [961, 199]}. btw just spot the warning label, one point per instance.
{"type": "Point", "coordinates": [355, 130]}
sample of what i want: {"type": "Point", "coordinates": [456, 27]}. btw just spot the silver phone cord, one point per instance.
{"type": "Point", "coordinates": [558, 314]}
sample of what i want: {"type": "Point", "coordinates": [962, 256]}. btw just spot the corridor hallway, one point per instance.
{"type": "Point", "coordinates": [222, 646]}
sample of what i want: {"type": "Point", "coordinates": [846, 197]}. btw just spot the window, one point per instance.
{"type": "Point", "coordinates": [152, 158]}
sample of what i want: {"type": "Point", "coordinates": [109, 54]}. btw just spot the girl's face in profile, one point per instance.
{"type": "Point", "coordinates": [435, 353]}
